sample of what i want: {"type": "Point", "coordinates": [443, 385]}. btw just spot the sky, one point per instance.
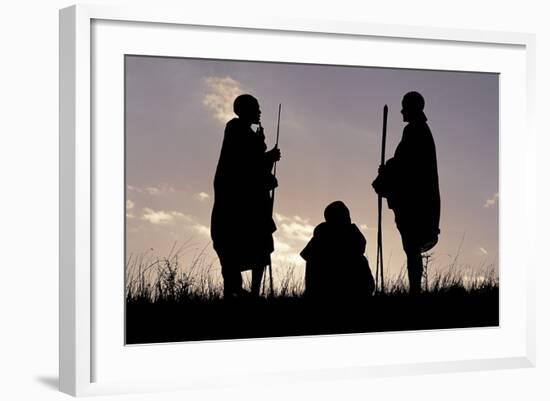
{"type": "Point", "coordinates": [330, 134]}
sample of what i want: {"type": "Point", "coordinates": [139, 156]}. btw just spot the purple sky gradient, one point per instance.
{"type": "Point", "coordinates": [331, 120]}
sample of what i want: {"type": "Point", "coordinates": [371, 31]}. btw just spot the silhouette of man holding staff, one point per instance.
{"type": "Point", "coordinates": [409, 181]}
{"type": "Point", "coordinates": [242, 225]}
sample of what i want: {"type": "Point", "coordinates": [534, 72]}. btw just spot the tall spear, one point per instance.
{"type": "Point", "coordinates": [379, 251]}
{"type": "Point", "coordinates": [273, 199]}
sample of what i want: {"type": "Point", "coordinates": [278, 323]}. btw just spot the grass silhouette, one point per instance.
{"type": "Point", "coordinates": [168, 302]}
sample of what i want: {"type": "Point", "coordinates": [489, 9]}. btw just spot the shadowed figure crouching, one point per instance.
{"type": "Point", "coordinates": [410, 183]}
{"type": "Point", "coordinates": [336, 267]}
{"type": "Point", "coordinates": [241, 224]}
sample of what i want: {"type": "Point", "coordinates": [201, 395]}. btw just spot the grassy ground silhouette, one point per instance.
{"type": "Point", "coordinates": [166, 303]}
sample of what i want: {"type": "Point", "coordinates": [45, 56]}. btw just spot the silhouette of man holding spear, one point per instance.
{"type": "Point", "coordinates": [410, 183]}
{"type": "Point", "coordinates": [242, 225]}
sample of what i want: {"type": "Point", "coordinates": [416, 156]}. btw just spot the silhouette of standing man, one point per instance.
{"type": "Point", "coordinates": [242, 226]}
{"type": "Point", "coordinates": [410, 183]}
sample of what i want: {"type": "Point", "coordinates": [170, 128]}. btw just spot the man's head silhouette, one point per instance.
{"type": "Point", "coordinates": [337, 213]}
{"type": "Point", "coordinates": [247, 108]}
{"type": "Point", "coordinates": [413, 107]}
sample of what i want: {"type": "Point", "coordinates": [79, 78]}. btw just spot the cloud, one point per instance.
{"type": "Point", "coordinates": [134, 189]}
{"type": "Point", "coordinates": [492, 201]}
{"type": "Point", "coordinates": [171, 217]}
{"type": "Point", "coordinates": [221, 92]}
{"type": "Point", "coordinates": [202, 196]}
{"type": "Point", "coordinates": [163, 189]}
{"type": "Point", "coordinates": [290, 238]}
{"type": "Point", "coordinates": [129, 205]}
{"type": "Point", "coordinates": [295, 228]}
{"type": "Point", "coordinates": [280, 217]}
{"type": "Point", "coordinates": [157, 216]}
{"type": "Point", "coordinates": [152, 189]}
{"type": "Point", "coordinates": [281, 246]}
{"type": "Point", "coordinates": [163, 217]}
{"type": "Point", "coordinates": [202, 229]}
{"type": "Point", "coordinates": [483, 250]}
{"type": "Point", "coordinates": [285, 254]}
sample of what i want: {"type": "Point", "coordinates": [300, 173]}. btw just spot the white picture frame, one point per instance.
{"type": "Point", "coordinates": [82, 345]}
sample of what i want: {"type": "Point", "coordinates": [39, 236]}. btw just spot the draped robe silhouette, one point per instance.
{"type": "Point", "coordinates": [336, 267]}
{"type": "Point", "coordinates": [241, 224]}
{"type": "Point", "coordinates": [410, 183]}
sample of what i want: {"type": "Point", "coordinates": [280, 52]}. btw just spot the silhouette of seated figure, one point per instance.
{"type": "Point", "coordinates": [336, 267]}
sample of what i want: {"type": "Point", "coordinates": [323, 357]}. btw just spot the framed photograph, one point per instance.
{"type": "Point", "coordinates": [274, 200]}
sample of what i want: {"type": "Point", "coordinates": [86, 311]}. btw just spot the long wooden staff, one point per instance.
{"type": "Point", "coordinates": [273, 199]}
{"type": "Point", "coordinates": [379, 250]}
